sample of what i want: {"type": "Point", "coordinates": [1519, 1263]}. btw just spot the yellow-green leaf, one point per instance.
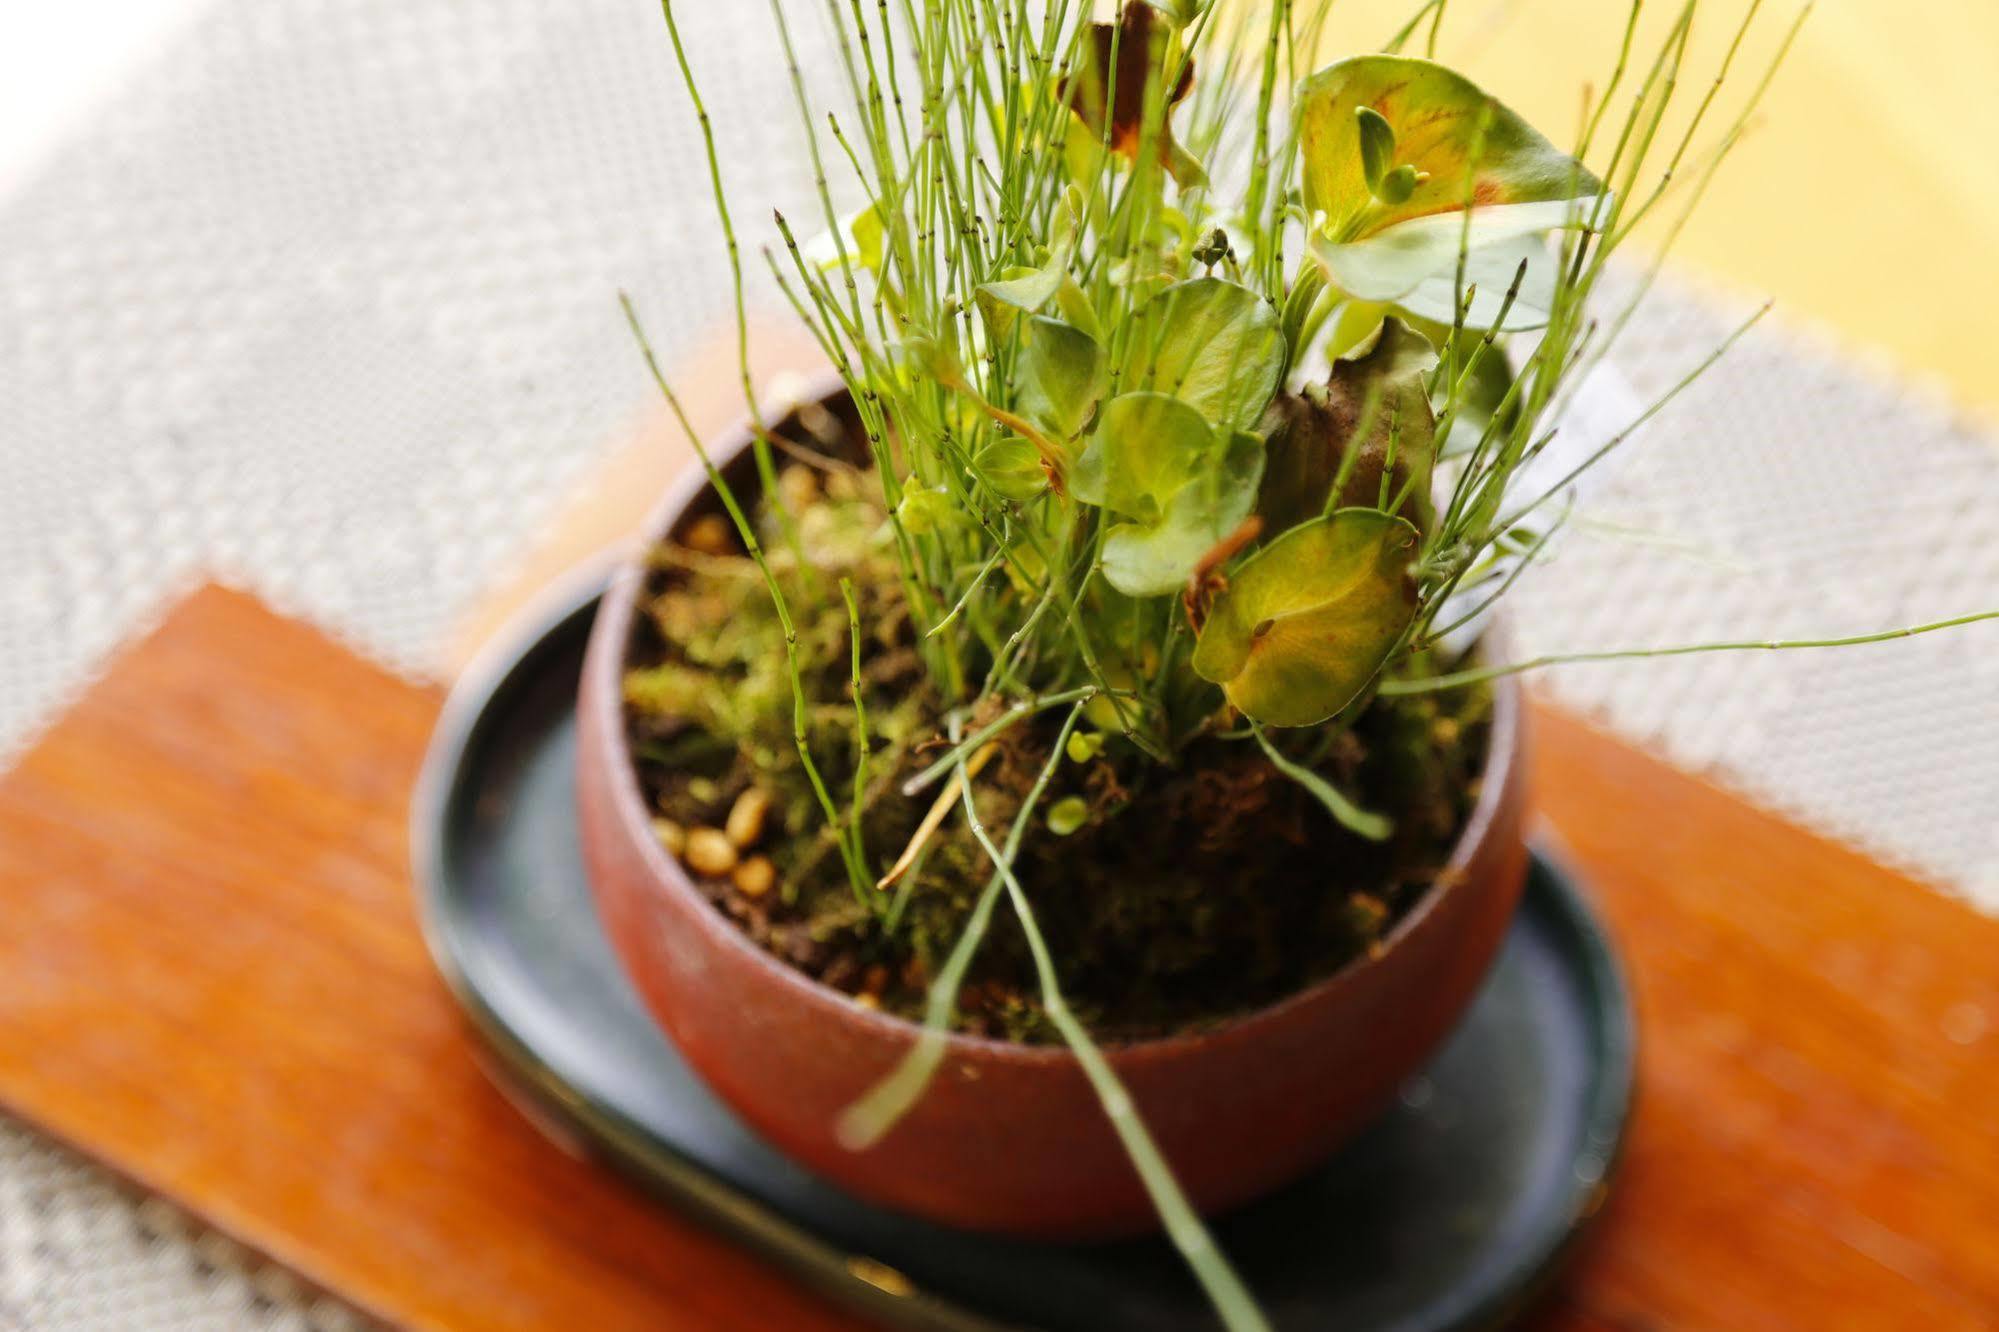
{"type": "Point", "coordinates": [1019, 290]}
{"type": "Point", "coordinates": [1011, 468]}
{"type": "Point", "coordinates": [1389, 144]}
{"type": "Point", "coordinates": [1059, 375]}
{"type": "Point", "coordinates": [1067, 815]}
{"type": "Point", "coordinates": [1310, 619]}
{"type": "Point", "coordinates": [1214, 344]}
{"type": "Point", "coordinates": [1179, 485]}
{"type": "Point", "coordinates": [860, 238]}
{"type": "Point", "coordinates": [933, 359]}
{"type": "Point", "coordinates": [1438, 117]}
{"type": "Point", "coordinates": [926, 508]}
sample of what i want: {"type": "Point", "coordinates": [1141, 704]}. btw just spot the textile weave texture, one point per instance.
{"type": "Point", "coordinates": [324, 302]}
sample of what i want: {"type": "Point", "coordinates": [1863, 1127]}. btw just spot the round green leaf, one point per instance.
{"type": "Point", "coordinates": [925, 508]}
{"type": "Point", "coordinates": [1084, 745]}
{"type": "Point", "coordinates": [1020, 291]}
{"type": "Point", "coordinates": [1067, 815]}
{"type": "Point", "coordinates": [1058, 376]}
{"type": "Point", "coordinates": [1149, 559]}
{"type": "Point", "coordinates": [1180, 485]}
{"type": "Point", "coordinates": [1011, 468]}
{"type": "Point", "coordinates": [1310, 619]}
{"type": "Point", "coordinates": [1214, 344]}
{"type": "Point", "coordinates": [1145, 447]}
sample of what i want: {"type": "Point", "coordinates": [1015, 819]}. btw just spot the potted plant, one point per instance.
{"type": "Point", "coordinates": [1054, 780]}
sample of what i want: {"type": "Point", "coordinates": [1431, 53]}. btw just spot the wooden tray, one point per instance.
{"type": "Point", "coordinates": [1450, 1213]}
{"type": "Point", "coordinates": [211, 979]}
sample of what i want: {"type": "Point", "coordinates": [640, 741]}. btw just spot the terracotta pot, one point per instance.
{"type": "Point", "coordinates": [1010, 1138]}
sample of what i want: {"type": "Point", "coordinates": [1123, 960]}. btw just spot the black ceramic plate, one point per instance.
{"type": "Point", "coordinates": [1448, 1213]}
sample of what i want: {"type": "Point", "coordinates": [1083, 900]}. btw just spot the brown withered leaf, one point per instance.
{"type": "Point", "coordinates": [1087, 91]}
{"type": "Point", "coordinates": [1308, 435]}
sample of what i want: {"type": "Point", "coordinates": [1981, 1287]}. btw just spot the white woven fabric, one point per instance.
{"type": "Point", "coordinates": [325, 301]}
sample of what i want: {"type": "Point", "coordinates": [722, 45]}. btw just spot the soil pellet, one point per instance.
{"type": "Point", "coordinates": [746, 817]}
{"type": "Point", "coordinates": [671, 835]}
{"type": "Point", "coordinates": [709, 851]}
{"type": "Point", "coordinates": [710, 534]}
{"type": "Point", "coordinates": [798, 487]}
{"type": "Point", "coordinates": [755, 876]}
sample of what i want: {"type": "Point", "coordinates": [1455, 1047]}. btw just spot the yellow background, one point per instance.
{"type": "Point", "coordinates": [1865, 198]}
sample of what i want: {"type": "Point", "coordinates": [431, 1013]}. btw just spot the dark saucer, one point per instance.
{"type": "Point", "coordinates": [1448, 1213]}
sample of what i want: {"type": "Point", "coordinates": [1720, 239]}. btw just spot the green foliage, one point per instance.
{"type": "Point", "coordinates": [1011, 468]}
{"type": "Point", "coordinates": [1215, 345]}
{"type": "Point", "coordinates": [1176, 485]}
{"type": "Point", "coordinates": [1059, 376]}
{"type": "Point", "coordinates": [1068, 814]}
{"type": "Point", "coordinates": [1309, 620]}
{"type": "Point", "coordinates": [1465, 145]}
{"type": "Point", "coordinates": [1405, 163]}
{"type": "Point", "coordinates": [1176, 456]}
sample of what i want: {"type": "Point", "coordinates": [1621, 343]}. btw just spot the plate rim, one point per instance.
{"type": "Point", "coordinates": [582, 1126]}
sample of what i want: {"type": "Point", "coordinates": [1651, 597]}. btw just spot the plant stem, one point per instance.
{"type": "Point", "coordinates": [1184, 1226]}
{"type": "Point", "coordinates": [1019, 712]}
{"type": "Point", "coordinates": [1457, 679]}
{"type": "Point", "coordinates": [760, 436]}
{"type": "Point", "coordinates": [856, 871]}
{"type": "Point", "coordinates": [1374, 827]}
{"type": "Point", "coordinates": [868, 1120]}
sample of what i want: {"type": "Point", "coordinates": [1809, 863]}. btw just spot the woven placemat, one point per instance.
{"type": "Point", "coordinates": [325, 300]}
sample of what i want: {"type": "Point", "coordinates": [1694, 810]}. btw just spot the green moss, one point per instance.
{"type": "Point", "coordinates": [1189, 893]}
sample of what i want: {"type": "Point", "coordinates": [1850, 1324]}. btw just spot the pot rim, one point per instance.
{"type": "Point", "coordinates": [603, 671]}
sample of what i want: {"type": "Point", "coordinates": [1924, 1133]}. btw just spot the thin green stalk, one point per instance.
{"type": "Point", "coordinates": [1478, 675]}
{"type": "Point", "coordinates": [1259, 171]}
{"type": "Point", "coordinates": [861, 742]}
{"type": "Point", "coordinates": [856, 872]}
{"type": "Point", "coordinates": [760, 435]}
{"type": "Point", "coordinates": [868, 1120]}
{"type": "Point", "coordinates": [1225, 1290]}
{"type": "Point", "coordinates": [1014, 715]}
{"type": "Point", "coordinates": [1374, 827]}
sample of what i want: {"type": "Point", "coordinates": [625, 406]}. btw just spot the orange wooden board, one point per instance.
{"type": "Point", "coordinates": [211, 979]}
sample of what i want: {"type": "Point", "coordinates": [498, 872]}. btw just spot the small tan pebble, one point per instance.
{"type": "Point", "coordinates": [709, 851]}
{"type": "Point", "coordinates": [797, 487]}
{"type": "Point", "coordinates": [671, 835]}
{"type": "Point", "coordinates": [1367, 912]}
{"type": "Point", "coordinates": [746, 817]}
{"type": "Point", "coordinates": [755, 876]}
{"type": "Point", "coordinates": [710, 534]}
{"type": "Point", "coordinates": [1444, 730]}
{"type": "Point", "coordinates": [821, 424]}
{"type": "Point", "coordinates": [867, 1000]}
